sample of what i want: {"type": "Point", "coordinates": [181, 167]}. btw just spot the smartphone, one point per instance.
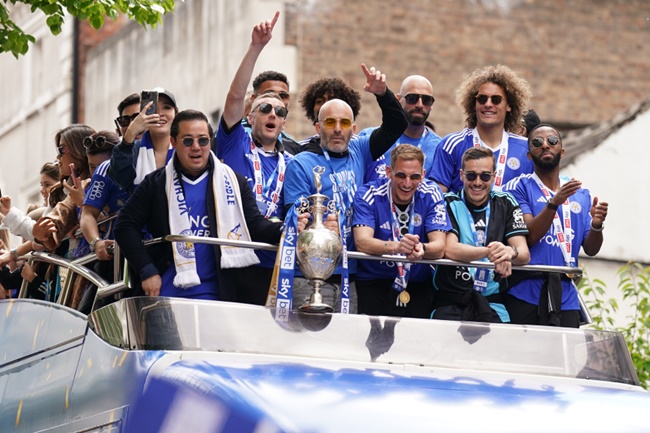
{"type": "Point", "coordinates": [72, 173]}
{"type": "Point", "coordinates": [149, 96]}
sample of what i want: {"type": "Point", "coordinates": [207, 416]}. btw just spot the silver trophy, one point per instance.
{"type": "Point", "coordinates": [318, 248]}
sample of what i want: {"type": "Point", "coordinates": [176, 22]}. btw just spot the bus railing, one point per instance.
{"type": "Point", "coordinates": [106, 289]}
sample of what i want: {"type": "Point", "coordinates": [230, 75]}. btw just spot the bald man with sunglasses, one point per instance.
{"type": "Point", "coordinates": [341, 159]}
{"type": "Point", "coordinates": [562, 218]}
{"type": "Point", "coordinates": [493, 100]}
{"type": "Point", "coordinates": [257, 154]}
{"type": "Point", "coordinates": [416, 98]}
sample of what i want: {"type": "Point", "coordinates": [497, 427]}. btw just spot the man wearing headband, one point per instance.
{"type": "Point", "coordinates": [493, 99]}
{"type": "Point", "coordinates": [488, 226]}
{"type": "Point", "coordinates": [561, 217]}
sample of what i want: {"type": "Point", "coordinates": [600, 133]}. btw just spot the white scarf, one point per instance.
{"type": "Point", "coordinates": [231, 223]}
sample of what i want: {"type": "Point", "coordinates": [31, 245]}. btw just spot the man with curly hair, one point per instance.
{"type": "Point", "coordinates": [324, 89]}
{"type": "Point", "coordinates": [493, 99]}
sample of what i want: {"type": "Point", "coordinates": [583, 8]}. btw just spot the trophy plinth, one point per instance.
{"type": "Point", "coordinates": [318, 250]}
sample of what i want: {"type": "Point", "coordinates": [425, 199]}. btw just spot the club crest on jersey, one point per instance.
{"type": "Point", "coordinates": [519, 222]}
{"type": "Point", "coordinates": [185, 249]}
{"type": "Point", "coordinates": [381, 170]}
{"type": "Point", "coordinates": [417, 220]}
{"type": "Point", "coordinates": [440, 214]}
{"type": "Point", "coordinates": [514, 163]}
{"type": "Point", "coordinates": [575, 207]}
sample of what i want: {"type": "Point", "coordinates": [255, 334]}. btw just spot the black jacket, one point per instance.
{"type": "Point", "coordinates": [148, 206]}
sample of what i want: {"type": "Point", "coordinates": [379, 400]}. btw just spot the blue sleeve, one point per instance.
{"type": "Point", "coordinates": [99, 189]}
{"type": "Point", "coordinates": [231, 144]}
{"type": "Point", "coordinates": [444, 166]}
{"type": "Point", "coordinates": [363, 213]}
{"type": "Point", "coordinates": [520, 194]}
{"type": "Point", "coordinates": [436, 217]}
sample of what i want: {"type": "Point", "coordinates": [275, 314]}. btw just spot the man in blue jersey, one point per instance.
{"type": "Point", "coordinates": [416, 97]}
{"type": "Point", "coordinates": [487, 225]}
{"type": "Point", "coordinates": [197, 195]}
{"type": "Point", "coordinates": [401, 214]}
{"type": "Point", "coordinates": [341, 161]}
{"type": "Point", "coordinates": [257, 154]}
{"type": "Point", "coordinates": [272, 82]}
{"type": "Point", "coordinates": [493, 99]}
{"type": "Point", "coordinates": [102, 195]}
{"type": "Point", "coordinates": [561, 217]}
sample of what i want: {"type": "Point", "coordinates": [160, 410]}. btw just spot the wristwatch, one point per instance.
{"type": "Point", "coordinates": [92, 244]}
{"type": "Point", "coordinates": [516, 252]}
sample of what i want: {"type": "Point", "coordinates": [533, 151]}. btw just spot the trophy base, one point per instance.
{"type": "Point", "coordinates": [315, 303]}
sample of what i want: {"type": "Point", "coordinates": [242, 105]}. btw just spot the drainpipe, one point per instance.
{"type": "Point", "coordinates": [75, 72]}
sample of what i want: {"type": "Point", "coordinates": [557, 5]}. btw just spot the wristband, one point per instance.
{"type": "Point", "coordinates": [551, 206]}
{"type": "Point", "coordinates": [516, 252]}
{"type": "Point", "coordinates": [14, 254]}
{"type": "Point", "coordinates": [602, 226]}
{"type": "Point", "coordinates": [424, 248]}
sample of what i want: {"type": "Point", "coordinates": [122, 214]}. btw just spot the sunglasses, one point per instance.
{"type": "Point", "coordinates": [472, 175]}
{"type": "Point", "coordinates": [331, 122]}
{"type": "Point", "coordinates": [402, 175]}
{"type": "Point", "coordinates": [482, 99]}
{"type": "Point", "coordinates": [413, 98]}
{"type": "Point", "coordinates": [552, 140]}
{"type": "Point", "coordinates": [60, 151]}
{"type": "Point", "coordinates": [125, 121]}
{"type": "Point", "coordinates": [189, 141]}
{"type": "Point", "coordinates": [98, 143]}
{"type": "Point", "coordinates": [266, 108]}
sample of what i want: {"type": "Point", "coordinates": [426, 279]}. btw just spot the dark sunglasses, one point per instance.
{"type": "Point", "coordinates": [266, 108]}
{"type": "Point", "coordinates": [59, 151]}
{"type": "Point", "coordinates": [125, 121]}
{"type": "Point", "coordinates": [552, 140]}
{"type": "Point", "coordinates": [482, 99]}
{"type": "Point", "coordinates": [402, 175]}
{"type": "Point", "coordinates": [412, 98]}
{"type": "Point", "coordinates": [97, 143]}
{"type": "Point", "coordinates": [472, 175]}
{"type": "Point", "coordinates": [189, 141]}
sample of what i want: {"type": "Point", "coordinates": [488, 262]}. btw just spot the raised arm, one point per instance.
{"type": "Point", "coordinates": [393, 119]}
{"type": "Point", "coordinates": [594, 240]}
{"type": "Point", "coordinates": [235, 100]}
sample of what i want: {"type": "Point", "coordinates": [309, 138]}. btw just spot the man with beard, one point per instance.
{"type": "Point", "coordinates": [493, 99]}
{"type": "Point", "coordinates": [561, 217]}
{"type": "Point", "coordinates": [340, 159]}
{"type": "Point", "coordinates": [486, 225]}
{"type": "Point", "coordinates": [416, 98]}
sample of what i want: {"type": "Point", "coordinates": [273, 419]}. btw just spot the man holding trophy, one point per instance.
{"type": "Point", "coordinates": [339, 163]}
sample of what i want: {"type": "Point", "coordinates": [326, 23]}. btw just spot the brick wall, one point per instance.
{"type": "Point", "coordinates": [586, 60]}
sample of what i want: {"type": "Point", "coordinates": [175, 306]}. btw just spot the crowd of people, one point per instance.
{"type": "Point", "coordinates": [491, 192]}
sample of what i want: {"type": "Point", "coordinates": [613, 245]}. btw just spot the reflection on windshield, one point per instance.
{"type": "Point", "coordinates": [177, 324]}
